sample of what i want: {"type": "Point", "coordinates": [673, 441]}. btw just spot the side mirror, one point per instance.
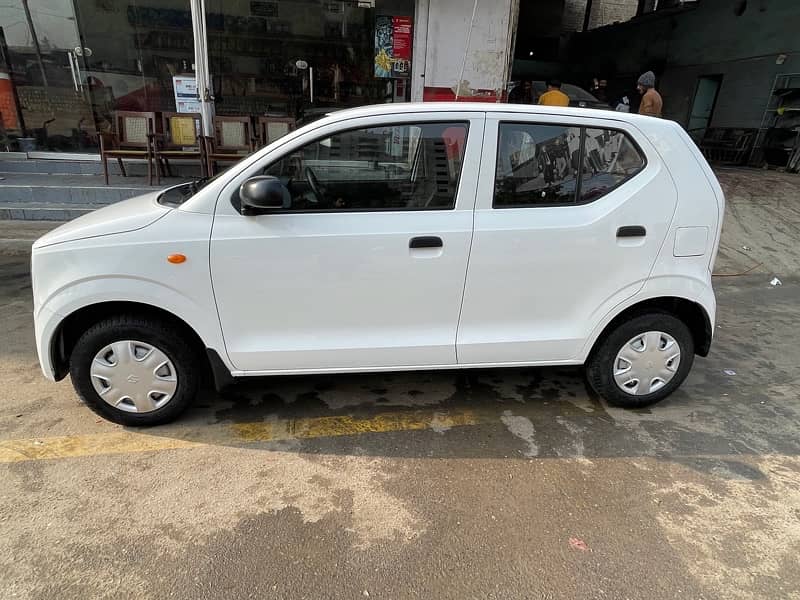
{"type": "Point", "coordinates": [263, 192]}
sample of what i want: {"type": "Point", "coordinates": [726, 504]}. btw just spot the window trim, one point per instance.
{"type": "Point", "coordinates": [579, 180]}
{"type": "Point", "coordinates": [236, 203]}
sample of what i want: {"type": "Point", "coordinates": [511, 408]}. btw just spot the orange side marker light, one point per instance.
{"type": "Point", "coordinates": [176, 259]}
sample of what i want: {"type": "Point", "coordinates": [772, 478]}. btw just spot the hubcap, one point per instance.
{"type": "Point", "coordinates": [134, 376]}
{"type": "Point", "coordinates": [646, 363]}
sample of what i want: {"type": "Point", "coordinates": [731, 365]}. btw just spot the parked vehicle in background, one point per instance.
{"type": "Point", "coordinates": [421, 236]}
{"type": "Point", "coordinates": [578, 97]}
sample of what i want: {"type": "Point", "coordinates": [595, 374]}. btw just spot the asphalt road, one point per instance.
{"type": "Point", "coordinates": [487, 484]}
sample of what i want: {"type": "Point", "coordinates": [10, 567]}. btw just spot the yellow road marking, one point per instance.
{"type": "Point", "coordinates": [345, 425]}
{"type": "Point", "coordinates": [124, 442]}
{"type": "Point", "coordinates": [72, 446]}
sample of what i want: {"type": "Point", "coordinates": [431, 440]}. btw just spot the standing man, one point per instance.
{"type": "Point", "coordinates": [651, 100]}
{"type": "Point", "coordinates": [554, 96]}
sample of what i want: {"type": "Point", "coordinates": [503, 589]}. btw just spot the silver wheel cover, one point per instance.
{"type": "Point", "coordinates": [646, 363]}
{"type": "Point", "coordinates": [134, 376]}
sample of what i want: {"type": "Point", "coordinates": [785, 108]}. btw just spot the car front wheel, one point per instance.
{"type": "Point", "coordinates": [135, 370]}
{"type": "Point", "coordinates": [642, 361]}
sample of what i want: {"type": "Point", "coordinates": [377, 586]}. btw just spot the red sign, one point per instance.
{"type": "Point", "coordinates": [401, 37]}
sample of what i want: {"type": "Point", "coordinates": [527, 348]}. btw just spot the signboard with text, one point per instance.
{"type": "Point", "coordinates": [393, 46]}
{"type": "Point", "coordinates": [186, 100]}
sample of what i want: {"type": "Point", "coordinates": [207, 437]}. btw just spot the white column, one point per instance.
{"type": "Point", "coordinates": [419, 50]}
{"type": "Point", "coordinates": [205, 89]}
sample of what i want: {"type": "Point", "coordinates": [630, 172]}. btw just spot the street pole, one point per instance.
{"type": "Point", "coordinates": [587, 15]}
{"type": "Point", "coordinates": [205, 89]}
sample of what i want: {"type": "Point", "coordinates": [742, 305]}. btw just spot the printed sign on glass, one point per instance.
{"type": "Point", "coordinates": [186, 100]}
{"type": "Point", "coordinates": [392, 46]}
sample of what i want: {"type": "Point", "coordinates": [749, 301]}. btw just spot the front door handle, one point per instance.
{"type": "Point", "coordinates": [426, 241]}
{"type": "Point", "coordinates": [631, 231]}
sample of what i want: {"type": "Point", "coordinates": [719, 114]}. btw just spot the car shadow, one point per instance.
{"type": "Point", "coordinates": [518, 413]}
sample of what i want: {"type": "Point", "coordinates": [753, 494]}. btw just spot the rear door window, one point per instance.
{"type": "Point", "coordinates": [536, 164]}
{"type": "Point", "coordinates": [552, 165]}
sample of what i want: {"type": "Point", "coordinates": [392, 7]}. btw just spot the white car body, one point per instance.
{"type": "Point", "coordinates": [342, 291]}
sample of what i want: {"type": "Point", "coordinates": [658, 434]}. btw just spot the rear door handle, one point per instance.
{"type": "Point", "coordinates": [426, 241]}
{"type": "Point", "coordinates": [631, 231]}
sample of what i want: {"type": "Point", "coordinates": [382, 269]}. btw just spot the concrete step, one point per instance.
{"type": "Point", "coordinates": [34, 211]}
{"type": "Point", "coordinates": [35, 196]}
{"type": "Point", "coordinates": [30, 196]}
{"type": "Point", "coordinates": [89, 165]}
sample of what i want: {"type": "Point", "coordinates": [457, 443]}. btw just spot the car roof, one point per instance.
{"type": "Point", "coordinates": [491, 107]}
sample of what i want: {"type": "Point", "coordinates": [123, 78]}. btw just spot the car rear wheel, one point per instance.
{"type": "Point", "coordinates": [135, 370]}
{"type": "Point", "coordinates": [642, 361]}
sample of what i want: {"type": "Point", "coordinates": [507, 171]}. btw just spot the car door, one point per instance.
{"type": "Point", "coordinates": [569, 219]}
{"type": "Point", "coordinates": [364, 266]}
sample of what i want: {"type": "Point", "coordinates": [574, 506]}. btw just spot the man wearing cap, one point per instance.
{"type": "Point", "coordinates": [554, 96]}
{"type": "Point", "coordinates": [651, 100]}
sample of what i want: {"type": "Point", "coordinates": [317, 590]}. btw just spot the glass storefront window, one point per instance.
{"type": "Point", "coordinates": [138, 46]}
{"type": "Point", "coordinates": [263, 55]}
{"type": "Point", "coordinates": [73, 63]}
{"type": "Point", "coordinates": [43, 55]}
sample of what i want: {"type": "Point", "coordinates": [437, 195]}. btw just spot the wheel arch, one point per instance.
{"type": "Point", "coordinates": [691, 313]}
{"type": "Point", "coordinates": [77, 322]}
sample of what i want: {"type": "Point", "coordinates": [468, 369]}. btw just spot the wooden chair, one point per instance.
{"type": "Point", "coordinates": [178, 138]}
{"type": "Point", "coordinates": [273, 128]}
{"type": "Point", "coordinates": [131, 139]}
{"type": "Point", "coordinates": [232, 140]}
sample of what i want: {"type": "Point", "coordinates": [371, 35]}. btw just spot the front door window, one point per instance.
{"type": "Point", "coordinates": [389, 167]}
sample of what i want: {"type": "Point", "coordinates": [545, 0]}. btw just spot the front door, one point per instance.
{"type": "Point", "coordinates": [364, 266]}
{"type": "Point", "coordinates": [568, 223]}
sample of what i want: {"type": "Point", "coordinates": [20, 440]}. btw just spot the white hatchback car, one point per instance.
{"type": "Point", "coordinates": [396, 237]}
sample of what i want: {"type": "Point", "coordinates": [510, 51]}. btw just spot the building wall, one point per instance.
{"type": "Point", "coordinates": [490, 42]}
{"type": "Point", "coordinates": [604, 12]}
{"type": "Point", "coordinates": [709, 39]}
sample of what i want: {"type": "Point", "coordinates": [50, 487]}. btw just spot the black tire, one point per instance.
{"type": "Point", "coordinates": [185, 357]}
{"type": "Point", "coordinates": [600, 366]}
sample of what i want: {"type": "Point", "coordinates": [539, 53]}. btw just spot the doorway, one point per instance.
{"type": "Point", "coordinates": [705, 98]}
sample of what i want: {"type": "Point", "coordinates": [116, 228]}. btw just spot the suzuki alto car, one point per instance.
{"type": "Point", "coordinates": [396, 237]}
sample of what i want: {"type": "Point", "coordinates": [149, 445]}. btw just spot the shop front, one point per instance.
{"type": "Point", "coordinates": [67, 66]}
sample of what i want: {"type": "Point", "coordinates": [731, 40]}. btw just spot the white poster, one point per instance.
{"type": "Point", "coordinates": [186, 100]}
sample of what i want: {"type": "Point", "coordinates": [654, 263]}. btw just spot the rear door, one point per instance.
{"type": "Point", "coordinates": [570, 216]}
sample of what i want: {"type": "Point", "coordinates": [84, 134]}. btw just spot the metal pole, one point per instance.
{"type": "Point", "coordinates": [466, 50]}
{"type": "Point", "coordinates": [311, 83]}
{"type": "Point", "coordinates": [205, 90]}
{"type": "Point", "coordinates": [587, 15]}
{"type": "Point", "coordinates": [35, 40]}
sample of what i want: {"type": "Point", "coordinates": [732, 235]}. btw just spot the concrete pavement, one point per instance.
{"type": "Point", "coordinates": [484, 484]}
